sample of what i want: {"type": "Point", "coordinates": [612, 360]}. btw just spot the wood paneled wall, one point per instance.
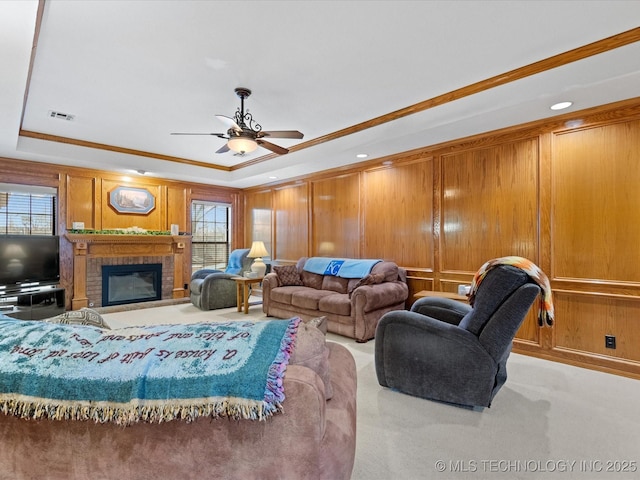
{"type": "Point", "coordinates": [566, 198]}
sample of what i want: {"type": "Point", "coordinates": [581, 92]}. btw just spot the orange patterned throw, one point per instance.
{"type": "Point", "coordinates": [535, 273]}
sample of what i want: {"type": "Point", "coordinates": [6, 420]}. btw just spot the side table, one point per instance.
{"type": "Point", "coordinates": [242, 291]}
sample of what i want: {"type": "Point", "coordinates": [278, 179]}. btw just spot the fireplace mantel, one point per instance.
{"type": "Point", "coordinates": [118, 244]}
{"type": "Point", "coordinates": [122, 245]}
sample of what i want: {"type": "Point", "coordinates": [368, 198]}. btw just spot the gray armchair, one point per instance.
{"type": "Point", "coordinates": [213, 289]}
{"type": "Point", "coordinates": [447, 351]}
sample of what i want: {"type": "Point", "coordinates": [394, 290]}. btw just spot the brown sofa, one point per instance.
{"type": "Point", "coordinates": [352, 306]}
{"type": "Point", "coordinates": [314, 438]}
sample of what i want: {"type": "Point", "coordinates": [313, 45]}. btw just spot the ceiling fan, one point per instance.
{"type": "Point", "coordinates": [244, 134]}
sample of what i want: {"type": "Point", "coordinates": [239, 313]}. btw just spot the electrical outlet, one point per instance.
{"type": "Point", "coordinates": [610, 341]}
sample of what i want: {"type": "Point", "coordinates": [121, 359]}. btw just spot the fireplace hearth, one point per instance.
{"type": "Point", "coordinates": [122, 284]}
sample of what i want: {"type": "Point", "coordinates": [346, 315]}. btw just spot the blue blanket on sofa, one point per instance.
{"type": "Point", "coordinates": [155, 373]}
{"type": "Point", "coordinates": [340, 267]}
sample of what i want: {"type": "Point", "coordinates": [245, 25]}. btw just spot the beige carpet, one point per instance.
{"type": "Point", "coordinates": [549, 421]}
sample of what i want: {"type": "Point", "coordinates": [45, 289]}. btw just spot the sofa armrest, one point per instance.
{"type": "Point", "coordinates": [367, 298]}
{"type": "Point", "coordinates": [202, 284]}
{"type": "Point", "coordinates": [269, 282]}
{"type": "Point", "coordinates": [205, 272]}
{"type": "Point", "coordinates": [270, 279]}
{"type": "Point", "coordinates": [443, 309]}
{"type": "Point", "coordinates": [216, 290]}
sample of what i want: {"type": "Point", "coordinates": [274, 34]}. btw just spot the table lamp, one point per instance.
{"type": "Point", "coordinates": [258, 250]}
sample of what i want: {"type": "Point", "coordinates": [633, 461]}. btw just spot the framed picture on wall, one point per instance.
{"type": "Point", "coordinates": [132, 200]}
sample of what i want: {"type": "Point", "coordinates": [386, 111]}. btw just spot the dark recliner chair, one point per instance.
{"type": "Point", "coordinates": [212, 289]}
{"type": "Point", "coordinates": [447, 351]}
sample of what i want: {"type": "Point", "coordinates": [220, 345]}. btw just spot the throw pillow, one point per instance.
{"type": "Point", "coordinates": [84, 316]}
{"type": "Point", "coordinates": [288, 275]}
{"type": "Point", "coordinates": [371, 279]}
{"type": "Point", "coordinates": [312, 352]}
{"type": "Point", "coordinates": [320, 323]}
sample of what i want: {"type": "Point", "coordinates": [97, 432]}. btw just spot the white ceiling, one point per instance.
{"type": "Point", "coordinates": [133, 72]}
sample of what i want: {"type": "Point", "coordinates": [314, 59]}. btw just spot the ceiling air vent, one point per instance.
{"type": "Point", "coordinates": [61, 116]}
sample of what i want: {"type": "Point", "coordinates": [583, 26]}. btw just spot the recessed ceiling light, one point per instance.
{"type": "Point", "coordinates": [362, 155]}
{"type": "Point", "coordinates": [273, 177]}
{"type": "Point", "coordinates": [561, 105]}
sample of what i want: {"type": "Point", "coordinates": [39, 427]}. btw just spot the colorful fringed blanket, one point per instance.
{"type": "Point", "coordinates": [535, 273]}
{"type": "Point", "coordinates": [153, 374]}
{"type": "Point", "coordinates": [340, 267]}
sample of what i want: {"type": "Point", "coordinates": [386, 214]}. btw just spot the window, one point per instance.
{"type": "Point", "coordinates": [27, 210]}
{"type": "Point", "coordinates": [210, 235]}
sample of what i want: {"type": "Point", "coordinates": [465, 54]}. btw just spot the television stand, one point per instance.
{"type": "Point", "coordinates": [35, 305]}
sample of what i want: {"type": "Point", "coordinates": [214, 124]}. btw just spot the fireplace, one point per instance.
{"type": "Point", "coordinates": [91, 252]}
{"type": "Point", "coordinates": [123, 284]}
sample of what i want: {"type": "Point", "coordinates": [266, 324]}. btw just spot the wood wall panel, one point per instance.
{"type": "Point", "coordinates": [587, 318]}
{"type": "Point", "coordinates": [176, 211]}
{"type": "Point", "coordinates": [259, 218]}
{"type": "Point", "coordinates": [154, 220]}
{"type": "Point", "coordinates": [489, 205]}
{"type": "Point", "coordinates": [417, 284]}
{"type": "Point", "coordinates": [336, 217]}
{"type": "Point", "coordinates": [81, 201]}
{"type": "Point", "coordinates": [596, 203]}
{"type": "Point", "coordinates": [291, 206]}
{"type": "Point", "coordinates": [398, 214]}
{"type": "Point", "coordinates": [179, 213]}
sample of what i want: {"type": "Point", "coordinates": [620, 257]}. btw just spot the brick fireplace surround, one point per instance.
{"type": "Point", "coordinates": [91, 251]}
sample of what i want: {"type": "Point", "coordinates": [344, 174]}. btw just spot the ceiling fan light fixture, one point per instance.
{"type": "Point", "coordinates": [242, 144]}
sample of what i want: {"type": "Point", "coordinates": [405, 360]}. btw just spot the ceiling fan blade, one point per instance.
{"type": "Point", "coordinates": [229, 122]}
{"type": "Point", "coordinates": [270, 146]}
{"type": "Point", "coordinates": [220, 135]}
{"type": "Point", "coordinates": [281, 134]}
{"type": "Point", "coordinates": [223, 149]}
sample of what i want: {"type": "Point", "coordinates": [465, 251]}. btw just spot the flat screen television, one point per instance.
{"type": "Point", "coordinates": [28, 259]}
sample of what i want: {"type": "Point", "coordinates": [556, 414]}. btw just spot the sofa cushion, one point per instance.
{"type": "Point", "coordinates": [335, 284]}
{"type": "Point", "coordinates": [84, 316]}
{"type": "Point", "coordinates": [283, 294]}
{"type": "Point", "coordinates": [340, 304]}
{"type": "Point", "coordinates": [312, 280]}
{"type": "Point", "coordinates": [308, 298]}
{"type": "Point", "coordinates": [311, 351]}
{"type": "Point", "coordinates": [288, 275]}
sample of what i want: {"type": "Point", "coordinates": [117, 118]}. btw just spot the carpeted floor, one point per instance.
{"type": "Point", "coordinates": [549, 420]}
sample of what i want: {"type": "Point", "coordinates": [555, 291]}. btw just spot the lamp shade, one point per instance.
{"type": "Point", "coordinates": [242, 144]}
{"type": "Point", "coordinates": [258, 250]}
